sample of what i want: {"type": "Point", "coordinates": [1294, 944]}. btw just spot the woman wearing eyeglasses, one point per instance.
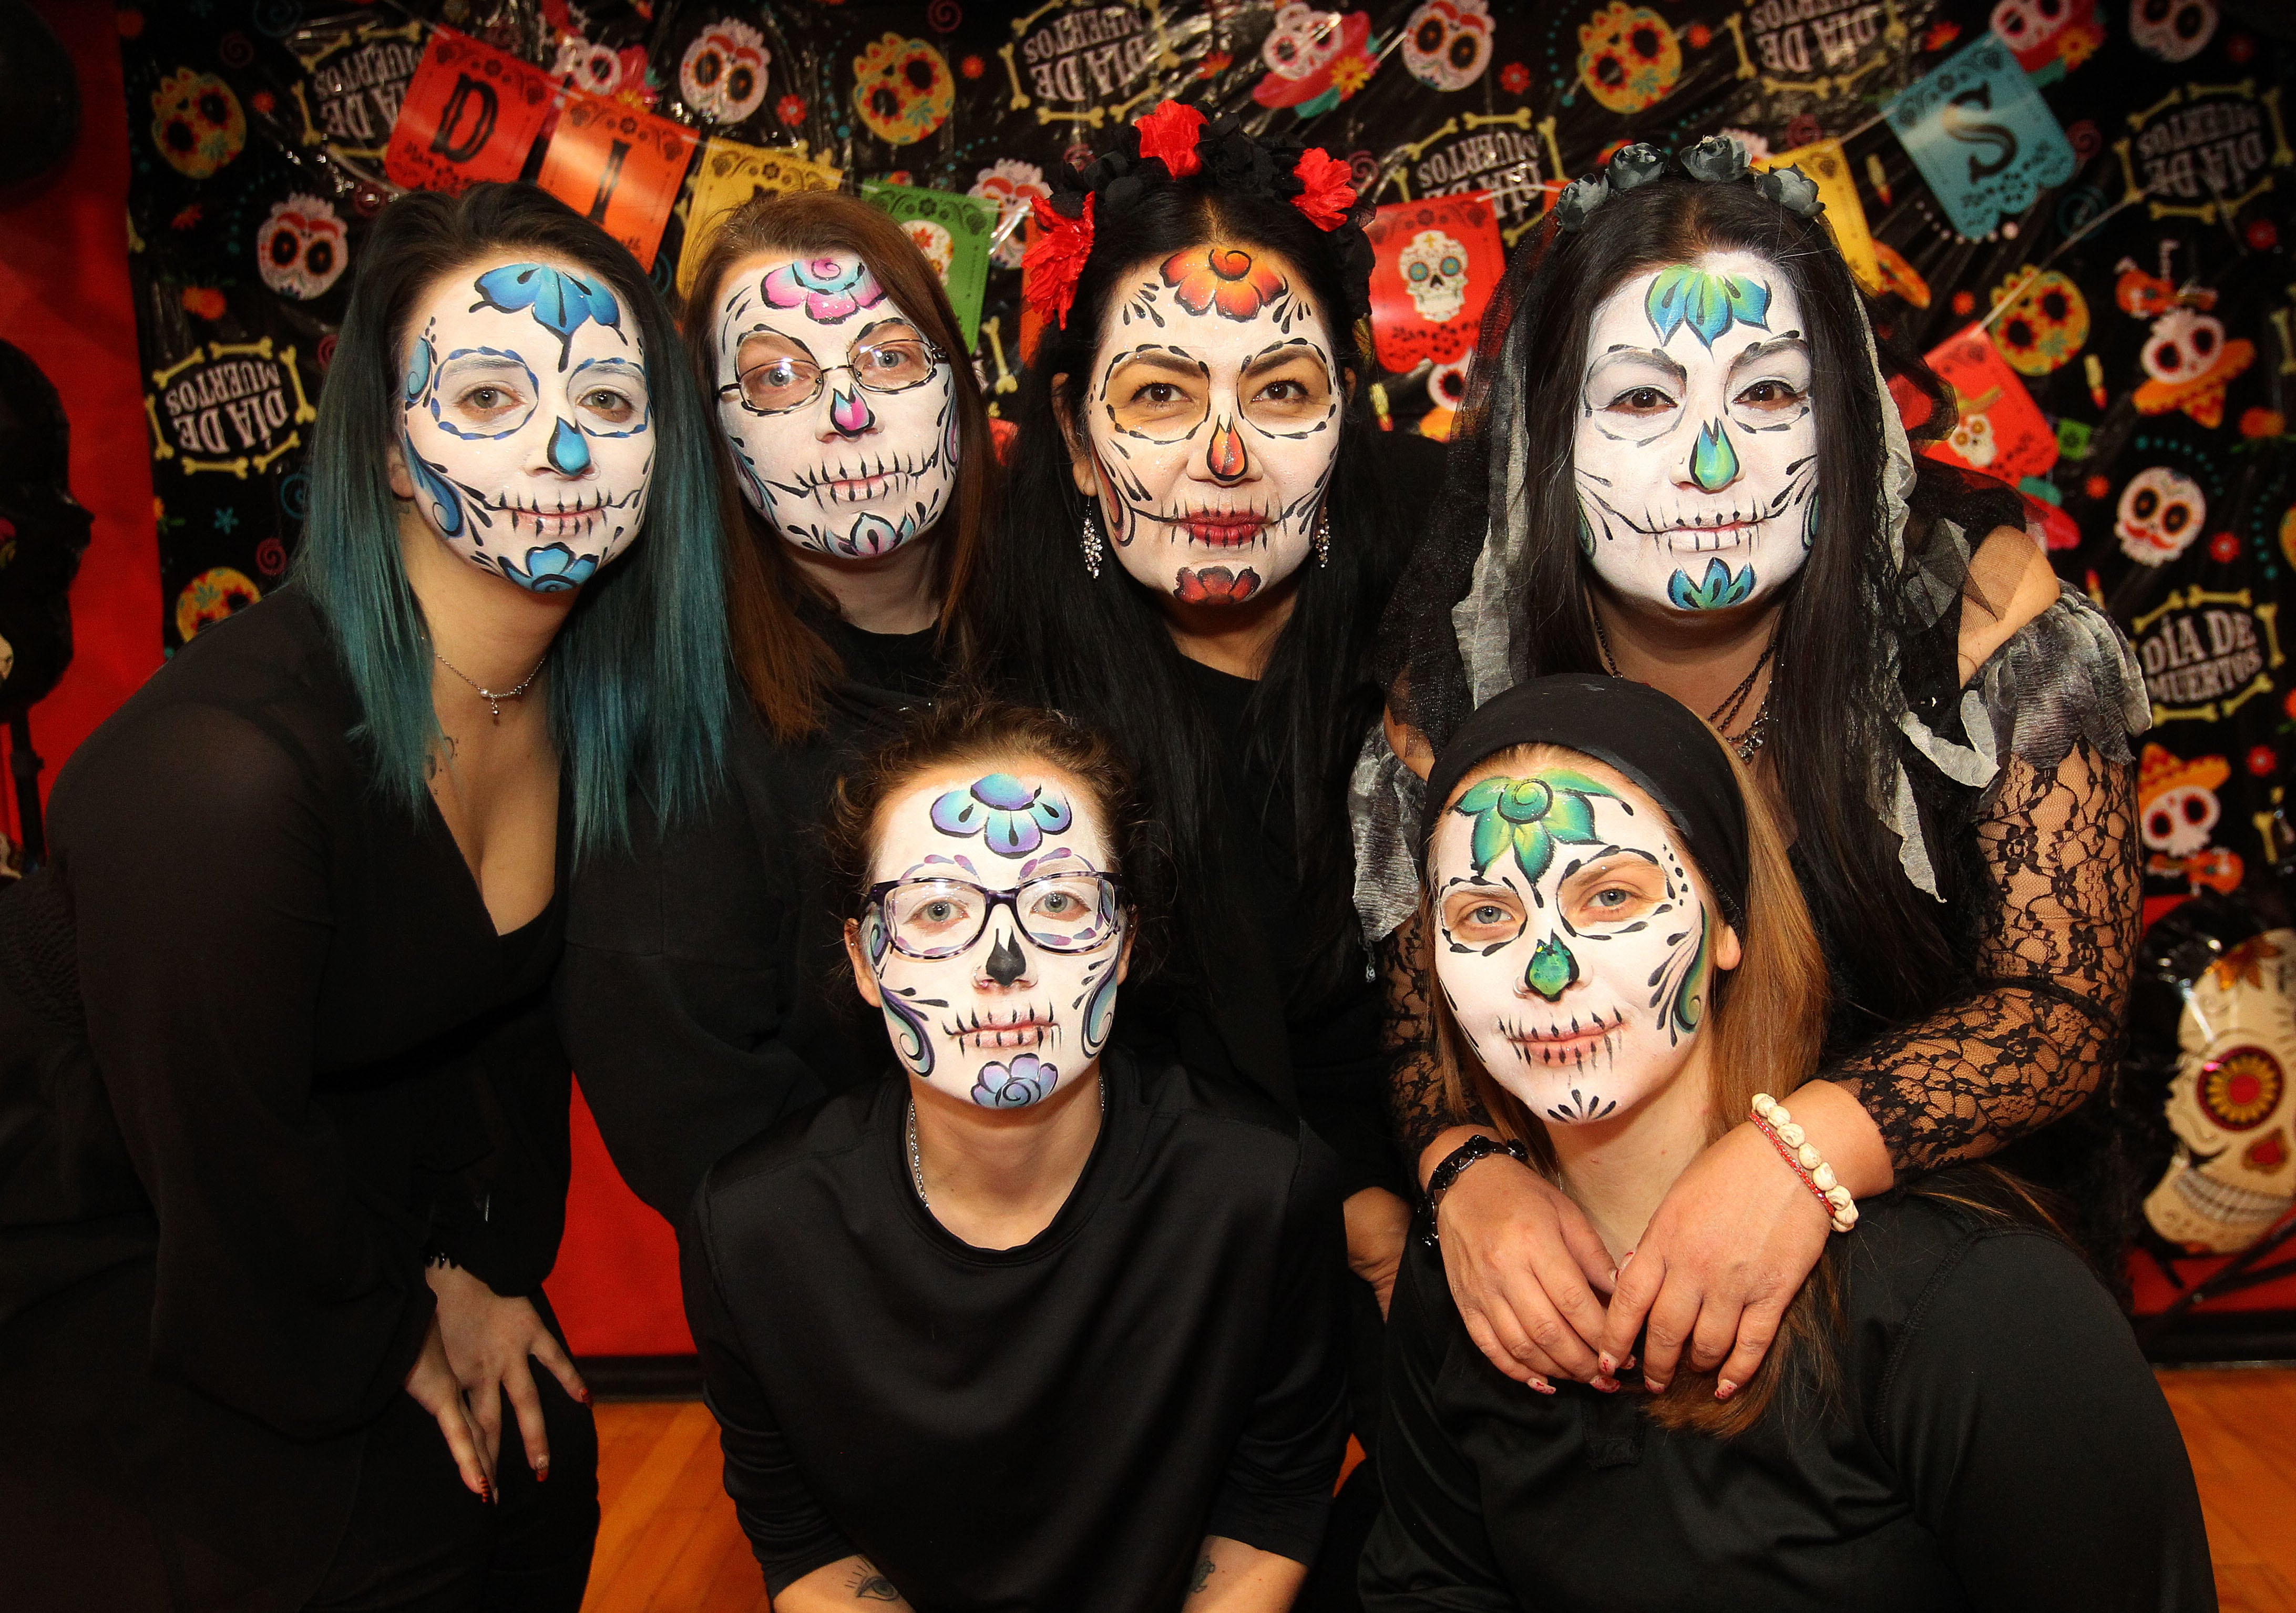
{"type": "Point", "coordinates": [855, 470]}
{"type": "Point", "coordinates": [1030, 1321]}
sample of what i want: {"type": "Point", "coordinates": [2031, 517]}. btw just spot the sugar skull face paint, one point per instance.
{"type": "Point", "coordinates": [1573, 944]}
{"type": "Point", "coordinates": [995, 934]}
{"type": "Point", "coordinates": [1695, 453]}
{"type": "Point", "coordinates": [525, 425]}
{"type": "Point", "coordinates": [842, 416]}
{"type": "Point", "coordinates": [1213, 420]}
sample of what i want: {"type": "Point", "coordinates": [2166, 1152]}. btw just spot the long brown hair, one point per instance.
{"type": "Point", "coordinates": [786, 665]}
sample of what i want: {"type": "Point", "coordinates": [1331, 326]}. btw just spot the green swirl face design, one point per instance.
{"type": "Point", "coordinates": [1573, 943]}
{"type": "Point", "coordinates": [1695, 453]}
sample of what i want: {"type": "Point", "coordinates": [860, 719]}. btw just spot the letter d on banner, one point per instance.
{"type": "Point", "coordinates": [470, 113]}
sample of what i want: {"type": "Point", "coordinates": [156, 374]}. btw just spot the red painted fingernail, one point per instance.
{"type": "Point", "coordinates": [1541, 1386]}
{"type": "Point", "coordinates": [1608, 1385]}
{"type": "Point", "coordinates": [582, 1395]}
{"type": "Point", "coordinates": [1609, 1363]}
{"type": "Point", "coordinates": [1627, 1365]}
{"type": "Point", "coordinates": [541, 1471]}
{"type": "Point", "coordinates": [1724, 1389]}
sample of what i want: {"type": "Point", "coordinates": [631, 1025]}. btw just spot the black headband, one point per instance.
{"type": "Point", "coordinates": [1651, 737]}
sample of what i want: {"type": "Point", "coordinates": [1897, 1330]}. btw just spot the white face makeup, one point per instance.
{"type": "Point", "coordinates": [997, 949]}
{"type": "Point", "coordinates": [1213, 420]}
{"type": "Point", "coordinates": [525, 425]}
{"type": "Point", "coordinates": [842, 416]}
{"type": "Point", "coordinates": [1573, 941]}
{"type": "Point", "coordinates": [1695, 452]}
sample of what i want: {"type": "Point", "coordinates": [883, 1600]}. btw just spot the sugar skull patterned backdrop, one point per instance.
{"type": "Point", "coordinates": [2082, 209]}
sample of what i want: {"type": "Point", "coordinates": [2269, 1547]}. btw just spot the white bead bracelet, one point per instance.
{"type": "Point", "coordinates": [1773, 1120]}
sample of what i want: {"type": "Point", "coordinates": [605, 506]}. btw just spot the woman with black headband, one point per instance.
{"type": "Point", "coordinates": [1955, 1413]}
{"type": "Point", "coordinates": [1722, 503]}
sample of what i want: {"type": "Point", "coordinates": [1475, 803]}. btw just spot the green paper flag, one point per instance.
{"type": "Point", "coordinates": [953, 232]}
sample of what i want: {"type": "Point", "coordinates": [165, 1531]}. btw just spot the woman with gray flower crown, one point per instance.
{"type": "Point", "coordinates": [1723, 503]}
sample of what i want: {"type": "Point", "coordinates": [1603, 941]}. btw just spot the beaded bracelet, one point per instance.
{"type": "Point", "coordinates": [1772, 1120]}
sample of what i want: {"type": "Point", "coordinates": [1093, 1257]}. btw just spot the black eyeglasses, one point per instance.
{"type": "Point", "coordinates": [929, 918]}
{"type": "Point", "coordinates": [786, 382]}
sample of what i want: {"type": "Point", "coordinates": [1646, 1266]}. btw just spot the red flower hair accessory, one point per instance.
{"type": "Point", "coordinates": [1168, 133]}
{"type": "Point", "coordinates": [1328, 195]}
{"type": "Point", "coordinates": [1054, 262]}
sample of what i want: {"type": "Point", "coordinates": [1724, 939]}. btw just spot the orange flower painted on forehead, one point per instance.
{"type": "Point", "coordinates": [1225, 276]}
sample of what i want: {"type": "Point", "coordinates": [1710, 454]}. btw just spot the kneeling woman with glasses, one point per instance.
{"type": "Point", "coordinates": [1041, 1325]}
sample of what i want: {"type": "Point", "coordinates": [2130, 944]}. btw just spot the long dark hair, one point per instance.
{"type": "Point", "coordinates": [1850, 623]}
{"type": "Point", "coordinates": [1099, 649]}
{"type": "Point", "coordinates": [637, 672]}
{"type": "Point", "coordinates": [785, 663]}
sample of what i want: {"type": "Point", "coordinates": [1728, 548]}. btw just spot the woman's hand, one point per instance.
{"type": "Point", "coordinates": [432, 1383]}
{"type": "Point", "coordinates": [1732, 1241]}
{"type": "Point", "coordinates": [488, 1340]}
{"type": "Point", "coordinates": [1378, 1222]}
{"type": "Point", "coordinates": [1525, 1266]}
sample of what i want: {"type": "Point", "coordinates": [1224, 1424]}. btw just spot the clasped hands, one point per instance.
{"type": "Point", "coordinates": [476, 1352]}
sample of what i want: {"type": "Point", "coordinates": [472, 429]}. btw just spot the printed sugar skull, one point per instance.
{"type": "Point", "coordinates": [993, 939]}
{"type": "Point", "coordinates": [2174, 30]}
{"type": "Point", "coordinates": [196, 122]}
{"type": "Point", "coordinates": [526, 427]}
{"type": "Point", "coordinates": [1007, 185]}
{"type": "Point", "coordinates": [1302, 41]}
{"type": "Point", "coordinates": [2162, 511]}
{"type": "Point", "coordinates": [933, 243]}
{"type": "Point", "coordinates": [2045, 325]}
{"type": "Point", "coordinates": [1972, 440]}
{"type": "Point", "coordinates": [902, 89]}
{"type": "Point", "coordinates": [1446, 43]}
{"type": "Point", "coordinates": [1212, 423]}
{"type": "Point", "coordinates": [2188, 363]}
{"type": "Point", "coordinates": [1629, 58]}
{"type": "Point", "coordinates": [1434, 267]}
{"type": "Point", "coordinates": [2234, 1171]}
{"type": "Point", "coordinates": [2029, 25]}
{"type": "Point", "coordinates": [2176, 804]}
{"type": "Point", "coordinates": [722, 75]}
{"type": "Point", "coordinates": [1573, 946]}
{"type": "Point", "coordinates": [299, 251]}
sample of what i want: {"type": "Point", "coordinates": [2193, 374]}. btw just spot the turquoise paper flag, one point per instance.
{"type": "Point", "coordinates": [953, 232]}
{"type": "Point", "coordinates": [1982, 136]}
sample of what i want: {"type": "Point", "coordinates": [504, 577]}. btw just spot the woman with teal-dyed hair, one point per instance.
{"type": "Point", "coordinates": [286, 1113]}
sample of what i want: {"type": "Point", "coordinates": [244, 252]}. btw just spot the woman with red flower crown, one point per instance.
{"type": "Point", "coordinates": [1203, 524]}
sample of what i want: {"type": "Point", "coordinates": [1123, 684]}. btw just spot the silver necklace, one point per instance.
{"type": "Point", "coordinates": [917, 1164]}
{"type": "Point", "coordinates": [494, 697]}
{"type": "Point", "coordinates": [1747, 740]}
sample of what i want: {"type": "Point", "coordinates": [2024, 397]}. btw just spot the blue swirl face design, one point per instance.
{"type": "Point", "coordinates": [526, 427]}
{"type": "Point", "coordinates": [1004, 1020]}
{"type": "Point", "coordinates": [1696, 449]}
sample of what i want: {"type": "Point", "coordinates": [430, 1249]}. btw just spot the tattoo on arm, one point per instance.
{"type": "Point", "coordinates": [1203, 1577]}
{"type": "Point", "coordinates": [869, 1585]}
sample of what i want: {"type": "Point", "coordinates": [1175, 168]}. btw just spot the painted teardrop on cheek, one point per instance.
{"type": "Point", "coordinates": [1226, 458]}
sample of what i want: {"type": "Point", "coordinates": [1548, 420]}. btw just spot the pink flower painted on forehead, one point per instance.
{"type": "Point", "coordinates": [829, 290]}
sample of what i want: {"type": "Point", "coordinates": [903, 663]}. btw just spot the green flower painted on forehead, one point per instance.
{"type": "Point", "coordinates": [1530, 815]}
{"type": "Point", "coordinates": [1707, 304]}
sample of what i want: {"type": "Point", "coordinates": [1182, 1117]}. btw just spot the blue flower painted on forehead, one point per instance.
{"type": "Point", "coordinates": [562, 302]}
{"type": "Point", "coordinates": [1014, 818]}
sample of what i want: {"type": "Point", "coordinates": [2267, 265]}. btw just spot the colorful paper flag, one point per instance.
{"type": "Point", "coordinates": [953, 232]}
{"type": "Point", "coordinates": [1435, 263]}
{"type": "Point", "coordinates": [2001, 430]}
{"type": "Point", "coordinates": [471, 114]}
{"type": "Point", "coordinates": [731, 173]}
{"type": "Point", "coordinates": [619, 167]}
{"type": "Point", "coordinates": [1825, 164]}
{"type": "Point", "coordinates": [1982, 136]}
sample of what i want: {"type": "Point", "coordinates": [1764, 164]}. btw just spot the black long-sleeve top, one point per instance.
{"type": "Point", "coordinates": [259, 1045]}
{"type": "Point", "coordinates": [1056, 1425]}
{"type": "Point", "coordinates": [703, 995]}
{"type": "Point", "coordinates": [1997, 1441]}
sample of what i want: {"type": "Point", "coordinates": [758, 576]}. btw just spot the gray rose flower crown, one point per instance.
{"type": "Point", "coordinates": [1716, 159]}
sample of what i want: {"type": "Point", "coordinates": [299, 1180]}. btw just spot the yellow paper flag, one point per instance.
{"type": "Point", "coordinates": [1824, 165]}
{"type": "Point", "coordinates": [731, 173]}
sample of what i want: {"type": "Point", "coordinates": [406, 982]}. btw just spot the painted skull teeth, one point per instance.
{"type": "Point", "coordinates": [1022, 1027]}
{"type": "Point", "coordinates": [862, 481]}
{"type": "Point", "coordinates": [1584, 1041]}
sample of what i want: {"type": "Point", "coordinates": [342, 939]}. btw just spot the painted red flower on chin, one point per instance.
{"type": "Point", "coordinates": [1227, 275]}
{"type": "Point", "coordinates": [1168, 133]}
{"type": "Point", "coordinates": [1328, 195]}
{"type": "Point", "coordinates": [1215, 585]}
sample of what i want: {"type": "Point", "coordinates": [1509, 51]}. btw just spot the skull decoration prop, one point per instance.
{"type": "Point", "coordinates": [1446, 44]}
{"type": "Point", "coordinates": [2183, 344]}
{"type": "Point", "coordinates": [1972, 440]}
{"type": "Point", "coordinates": [1302, 40]}
{"type": "Point", "coordinates": [1434, 268]}
{"type": "Point", "coordinates": [2161, 513]}
{"type": "Point", "coordinates": [2174, 30]}
{"type": "Point", "coordinates": [722, 75]}
{"type": "Point", "coordinates": [2234, 1171]}
{"type": "Point", "coordinates": [934, 243]}
{"type": "Point", "coordinates": [2176, 801]}
{"type": "Point", "coordinates": [2028, 25]}
{"type": "Point", "coordinates": [196, 122]}
{"type": "Point", "coordinates": [299, 251]}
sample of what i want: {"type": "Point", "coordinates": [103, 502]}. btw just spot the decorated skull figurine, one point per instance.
{"type": "Point", "coordinates": [300, 250]}
{"type": "Point", "coordinates": [1302, 40]}
{"type": "Point", "coordinates": [1434, 268]}
{"type": "Point", "coordinates": [2162, 511]}
{"type": "Point", "coordinates": [1972, 440]}
{"type": "Point", "coordinates": [1446, 43]}
{"type": "Point", "coordinates": [2234, 1173]}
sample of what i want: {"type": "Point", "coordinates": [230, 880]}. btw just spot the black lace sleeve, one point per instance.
{"type": "Point", "coordinates": [2029, 1043]}
{"type": "Point", "coordinates": [1424, 1099]}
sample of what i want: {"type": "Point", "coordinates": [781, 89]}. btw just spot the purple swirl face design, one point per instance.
{"type": "Point", "coordinates": [998, 872]}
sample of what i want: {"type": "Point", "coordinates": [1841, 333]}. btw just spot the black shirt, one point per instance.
{"type": "Point", "coordinates": [1056, 1425]}
{"type": "Point", "coordinates": [704, 993]}
{"type": "Point", "coordinates": [1998, 1443]}
{"type": "Point", "coordinates": [260, 1042]}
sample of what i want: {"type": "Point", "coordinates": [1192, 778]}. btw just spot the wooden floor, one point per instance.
{"type": "Point", "coordinates": [669, 1544]}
